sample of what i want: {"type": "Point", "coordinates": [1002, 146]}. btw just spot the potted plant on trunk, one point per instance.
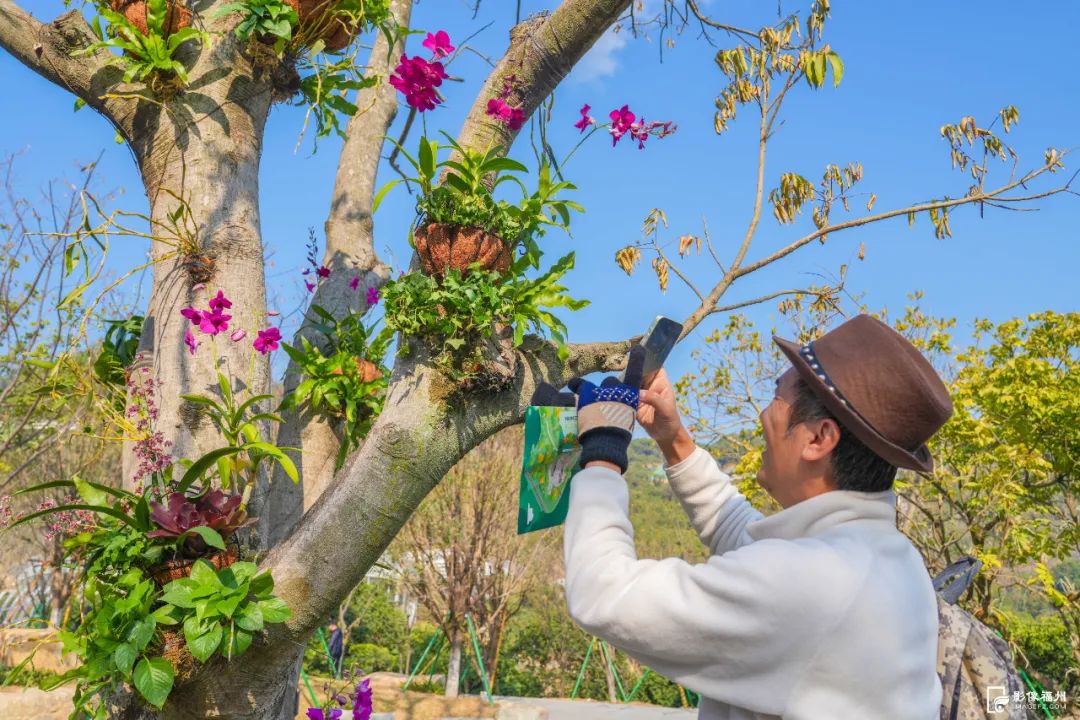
{"type": "Point", "coordinates": [461, 225]}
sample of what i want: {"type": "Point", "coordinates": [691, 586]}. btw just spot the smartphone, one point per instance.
{"type": "Point", "coordinates": [658, 341]}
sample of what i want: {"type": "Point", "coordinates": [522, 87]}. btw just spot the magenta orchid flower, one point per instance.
{"type": "Point", "coordinates": [362, 704]}
{"type": "Point", "coordinates": [190, 341]}
{"type": "Point", "coordinates": [219, 302]}
{"type": "Point", "coordinates": [621, 120]}
{"type": "Point", "coordinates": [310, 286]}
{"type": "Point", "coordinates": [372, 296]}
{"type": "Point", "coordinates": [323, 272]}
{"type": "Point", "coordinates": [417, 78]}
{"type": "Point", "coordinates": [438, 44]}
{"type": "Point", "coordinates": [192, 314]}
{"type": "Point", "coordinates": [510, 116]}
{"type": "Point", "coordinates": [586, 119]}
{"type": "Point", "coordinates": [320, 714]}
{"type": "Point", "coordinates": [355, 282]}
{"type": "Point", "coordinates": [215, 322]}
{"type": "Point", "coordinates": [238, 335]}
{"type": "Point", "coordinates": [267, 340]}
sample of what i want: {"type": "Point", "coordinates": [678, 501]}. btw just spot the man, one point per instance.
{"type": "Point", "coordinates": [335, 646]}
{"type": "Point", "coordinates": [822, 611]}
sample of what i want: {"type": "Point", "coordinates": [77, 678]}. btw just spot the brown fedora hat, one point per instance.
{"type": "Point", "coordinates": [878, 385]}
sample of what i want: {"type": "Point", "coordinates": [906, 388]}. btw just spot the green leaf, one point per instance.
{"type": "Point", "coordinates": [181, 593]}
{"type": "Point", "coordinates": [837, 68]}
{"type": "Point", "coordinates": [167, 615]}
{"type": "Point", "coordinates": [282, 459]}
{"type": "Point", "coordinates": [209, 535]}
{"type": "Point", "coordinates": [89, 493]}
{"type": "Point", "coordinates": [274, 610]}
{"type": "Point", "coordinates": [203, 575]}
{"type": "Point", "coordinates": [250, 618]}
{"type": "Point", "coordinates": [142, 632]}
{"type": "Point", "coordinates": [235, 642]}
{"type": "Point", "coordinates": [503, 163]}
{"type": "Point", "coordinates": [200, 466]}
{"type": "Point", "coordinates": [202, 646]}
{"type": "Point", "coordinates": [428, 148]}
{"type": "Point", "coordinates": [382, 193]}
{"type": "Point", "coordinates": [153, 678]}
{"type": "Point", "coordinates": [79, 104]}
{"type": "Point", "coordinates": [262, 585]}
{"type": "Point", "coordinates": [100, 509]}
{"type": "Point", "coordinates": [116, 492]}
{"type": "Point", "coordinates": [124, 658]}
{"type": "Point", "coordinates": [226, 388]}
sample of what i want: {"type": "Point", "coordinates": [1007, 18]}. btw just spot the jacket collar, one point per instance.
{"type": "Point", "coordinates": [825, 511]}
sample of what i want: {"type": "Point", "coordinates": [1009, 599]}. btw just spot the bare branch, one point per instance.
{"type": "Point", "coordinates": [757, 300]}
{"type": "Point", "coordinates": [924, 207]}
{"type": "Point", "coordinates": [350, 252]}
{"type": "Point", "coordinates": [46, 49]}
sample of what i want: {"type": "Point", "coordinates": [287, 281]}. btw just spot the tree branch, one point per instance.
{"type": "Point", "coordinates": [542, 52]}
{"type": "Point", "coordinates": [46, 49]}
{"type": "Point", "coordinates": [350, 252]}
{"type": "Point", "coordinates": [349, 226]}
{"type": "Point", "coordinates": [924, 207]}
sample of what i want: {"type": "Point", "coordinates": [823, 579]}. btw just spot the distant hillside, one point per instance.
{"type": "Point", "coordinates": [661, 527]}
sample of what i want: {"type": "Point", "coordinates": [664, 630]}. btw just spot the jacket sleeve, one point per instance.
{"type": "Point", "coordinates": [734, 628]}
{"type": "Point", "coordinates": [717, 510]}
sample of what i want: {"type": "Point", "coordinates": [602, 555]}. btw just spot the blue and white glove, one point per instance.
{"type": "Point", "coordinates": [606, 413]}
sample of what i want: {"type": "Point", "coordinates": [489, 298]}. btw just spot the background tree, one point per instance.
{"type": "Point", "coordinates": [194, 118]}
{"type": "Point", "coordinates": [45, 372]}
{"type": "Point", "coordinates": [460, 553]}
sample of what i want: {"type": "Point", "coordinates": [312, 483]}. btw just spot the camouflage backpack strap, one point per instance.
{"type": "Point", "coordinates": [951, 582]}
{"type": "Point", "coordinates": [974, 664]}
{"type": "Point", "coordinates": [953, 629]}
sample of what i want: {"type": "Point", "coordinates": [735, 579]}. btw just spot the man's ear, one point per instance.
{"type": "Point", "coordinates": [826, 436]}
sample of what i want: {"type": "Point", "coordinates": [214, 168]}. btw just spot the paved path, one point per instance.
{"type": "Point", "coordinates": [592, 710]}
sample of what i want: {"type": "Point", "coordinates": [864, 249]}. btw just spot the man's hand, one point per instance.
{"type": "Point", "coordinates": [659, 416]}
{"type": "Point", "coordinates": [606, 414]}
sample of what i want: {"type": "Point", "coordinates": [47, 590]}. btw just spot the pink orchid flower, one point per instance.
{"type": "Point", "coordinates": [586, 119]}
{"type": "Point", "coordinates": [267, 340]}
{"type": "Point", "coordinates": [190, 341]}
{"type": "Point", "coordinates": [438, 44]}
{"type": "Point", "coordinates": [621, 120]}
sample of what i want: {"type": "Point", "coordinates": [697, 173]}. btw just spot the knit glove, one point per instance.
{"type": "Point", "coordinates": [606, 413]}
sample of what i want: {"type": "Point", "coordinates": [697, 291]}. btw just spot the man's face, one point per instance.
{"type": "Point", "coordinates": [781, 460]}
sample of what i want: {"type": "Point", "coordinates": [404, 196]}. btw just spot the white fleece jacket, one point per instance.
{"type": "Point", "coordinates": [823, 611]}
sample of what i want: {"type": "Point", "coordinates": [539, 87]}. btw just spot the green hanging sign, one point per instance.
{"type": "Point", "coordinates": [550, 461]}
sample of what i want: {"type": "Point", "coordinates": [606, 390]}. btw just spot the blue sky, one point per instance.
{"type": "Point", "coordinates": [910, 67]}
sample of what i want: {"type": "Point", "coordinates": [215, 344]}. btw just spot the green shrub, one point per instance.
{"type": "Point", "coordinates": [369, 658]}
{"type": "Point", "coordinates": [1045, 642]}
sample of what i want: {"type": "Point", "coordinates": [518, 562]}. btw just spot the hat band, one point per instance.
{"type": "Point", "coordinates": [808, 354]}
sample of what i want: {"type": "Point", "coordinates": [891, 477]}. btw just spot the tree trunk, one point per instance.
{"type": "Point", "coordinates": [453, 668]}
{"type": "Point", "coordinates": [610, 676]}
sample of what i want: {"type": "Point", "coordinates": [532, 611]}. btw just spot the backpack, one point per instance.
{"type": "Point", "coordinates": [978, 678]}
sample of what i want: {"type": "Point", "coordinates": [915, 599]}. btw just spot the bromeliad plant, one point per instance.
{"type": "Point", "coordinates": [344, 376]}
{"type": "Point", "coordinates": [164, 584]}
{"type": "Point", "coordinates": [123, 635]}
{"type": "Point", "coordinates": [149, 52]}
{"type": "Point", "coordinates": [268, 21]}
